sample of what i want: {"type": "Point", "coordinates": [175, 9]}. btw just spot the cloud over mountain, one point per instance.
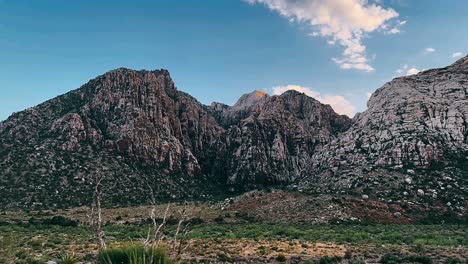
{"type": "Point", "coordinates": [345, 22]}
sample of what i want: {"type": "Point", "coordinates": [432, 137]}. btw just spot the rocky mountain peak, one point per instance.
{"type": "Point", "coordinates": [248, 100]}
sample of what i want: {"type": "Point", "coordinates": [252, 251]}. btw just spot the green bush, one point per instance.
{"type": "Point", "coordinates": [281, 258]}
{"type": "Point", "coordinates": [219, 219]}
{"type": "Point", "coordinates": [133, 254]}
{"type": "Point", "coordinates": [60, 221]}
{"type": "Point", "coordinates": [330, 260]}
{"type": "Point", "coordinates": [453, 261]}
{"type": "Point", "coordinates": [419, 259]}
{"type": "Point", "coordinates": [398, 258]}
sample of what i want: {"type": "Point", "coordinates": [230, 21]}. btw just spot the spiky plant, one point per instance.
{"type": "Point", "coordinates": [68, 258]}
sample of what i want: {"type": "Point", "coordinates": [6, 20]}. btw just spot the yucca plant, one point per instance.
{"type": "Point", "coordinates": [133, 254]}
{"type": "Point", "coordinates": [68, 258]}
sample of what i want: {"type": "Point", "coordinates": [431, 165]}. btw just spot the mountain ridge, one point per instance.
{"type": "Point", "coordinates": [142, 133]}
{"type": "Point", "coordinates": [134, 121]}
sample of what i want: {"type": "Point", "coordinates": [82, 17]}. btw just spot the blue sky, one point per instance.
{"type": "Point", "coordinates": [217, 50]}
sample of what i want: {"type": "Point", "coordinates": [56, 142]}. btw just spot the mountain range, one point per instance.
{"type": "Point", "coordinates": [143, 136]}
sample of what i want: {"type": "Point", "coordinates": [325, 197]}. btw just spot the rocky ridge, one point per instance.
{"type": "Point", "coordinates": [410, 144]}
{"type": "Point", "coordinates": [142, 135]}
{"type": "Point", "coordinates": [136, 130]}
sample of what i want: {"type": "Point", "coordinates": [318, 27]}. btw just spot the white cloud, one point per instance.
{"type": "Point", "coordinates": [405, 69]}
{"type": "Point", "coordinates": [412, 71]}
{"type": "Point", "coordinates": [396, 28]}
{"type": "Point", "coordinates": [394, 31]}
{"type": "Point", "coordinates": [429, 50]}
{"type": "Point", "coordinates": [457, 54]}
{"type": "Point", "coordinates": [345, 22]}
{"type": "Point", "coordinates": [337, 102]}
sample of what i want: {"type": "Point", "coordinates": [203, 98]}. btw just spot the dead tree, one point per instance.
{"type": "Point", "coordinates": [96, 211]}
{"type": "Point", "coordinates": [155, 232]}
{"type": "Point", "coordinates": [180, 236]}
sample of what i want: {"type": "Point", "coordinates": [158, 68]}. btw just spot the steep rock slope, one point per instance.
{"type": "Point", "coordinates": [412, 142]}
{"type": "Point", "coordinates": [275, 140]}
{"type": "Point", "coordinates": [142, 135]}
{"type": "Point", "coordinates": [133, 127]}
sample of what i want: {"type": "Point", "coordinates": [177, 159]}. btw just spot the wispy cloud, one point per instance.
{"type": "Point", "coordinates": [457, 54]}
{"type": "Point", "coordinates": [340, 104]}
{"type": "Point", "coordinates": [345, 22]}
{"type": "Point", "coordinates": [429, 50]}
{"type": "Point", "coordinates": [396, 29]}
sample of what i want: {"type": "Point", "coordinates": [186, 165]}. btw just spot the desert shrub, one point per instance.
{"type": "Point", "coordinates": [398, 258]}
{"type": "Point", "coordinates": [453, 261]}
{"type": "Point", "coordinates": [35, 244]}
{"type": "Point", "coordinates": [418, 259]}
{"type": "Point", "coordinates": [59, 221]}
{"type": "Point", "coordinates": [196, 221]}
{"type": "Point", "coordinates": [281, 258]}
{"type": "Point", "coordinates": [418, 248]}
{"type": "Point", "coordinates": [330, 260]}
{"type": "Point", "coordinates": [171, 220]}
{"type": "Point", "coordinates": [68, 258]}
{"type": "Point", "coordinates": [223, 257]}
{"type": "Point", "coordinates": [219, 219]}
{"type": "Point", "coordinates": [391, 259]}
{"type": "Point", "coordinates": [21, 254]}
{"type": "Point", "coordinates": [133, 254]}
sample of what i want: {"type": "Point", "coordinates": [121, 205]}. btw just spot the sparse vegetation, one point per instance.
{"type": "Point", "coordinates": [133, 254]}
{"type": "Point", "coordinates": [45, 237]}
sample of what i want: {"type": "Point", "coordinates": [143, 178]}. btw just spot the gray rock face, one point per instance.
{"type": "Point", "coordinates": [413, 125]}
{"type": "Point", "coordinates": [416, 121]}
{"type": "Point", "coordinates": [275, 140]}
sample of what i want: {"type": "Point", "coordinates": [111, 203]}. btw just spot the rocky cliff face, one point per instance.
{"type": "Point", "coordinates": [142, 135]}
{"type": "Point", "coordinates": [411, 142]}
{"type": "Point", "coordinates": [135, 129]}
{"type": "Point", "coordinates": [276, 137]}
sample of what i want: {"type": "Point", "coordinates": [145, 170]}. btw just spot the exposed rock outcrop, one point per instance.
{"type": "Point", "coordinates": [274, 143]}
{"type": "Point", "coordinates": [141, 133]}
{"type": "Point", "coordinates": [413, 134]}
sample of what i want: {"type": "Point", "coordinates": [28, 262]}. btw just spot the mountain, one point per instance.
{"type": "Point", "coordinates": [133, 127]}
{"type": "Point", "coordinates": [410, 144]}
{"type": "Point", "coordinates": [274, 140]}
{"type": "Point", "coordinates": [141, 135]}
